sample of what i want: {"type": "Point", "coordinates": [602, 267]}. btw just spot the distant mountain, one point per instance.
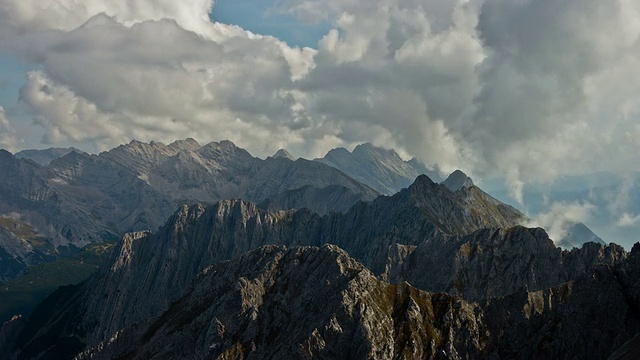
{"type": "Point", "coordinates": [282, 153]}
{"type": "Point", "coordinates": [79, 198]}
{"type": "Point", "coordinates": [379, 168]}
{"type": "Point", "coordinates": [333, 198]}
{"type": "Point", "coordinates": [44, 157]}
{"type": "Point", "coordinates": [611, 195]}
{"type": "Point", "coordinates": [457, 181]}
{"type": "Point", "coordinates": [190, 173]}
{"type": "Point", "coordinates": [579, 234]}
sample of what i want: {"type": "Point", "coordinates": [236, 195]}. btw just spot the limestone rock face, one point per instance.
{"type": "Point", "coordinates": [282, 153]}
{"type": "Point", "coordinates": [457, 180]}
{"type": "Point", "coordinates": [309, 302]}
{"type": "Point", "coordinates": [379, 168]}
{"type": "Point", "coordinates": [305, 302]}
{"type": "Point", "coordinates": [9, 332]}
{"type": "Point", "coordinates": [495, 262]}
{"type": "Point", "coordinates": [394, 237]}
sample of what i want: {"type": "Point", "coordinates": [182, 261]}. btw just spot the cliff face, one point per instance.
{"type": "Point", "coordinates": [494, 262]}
{"type": "Point", "coordinates": [300, 303]}
{"type": "Point", "coordinates": [308, 302]}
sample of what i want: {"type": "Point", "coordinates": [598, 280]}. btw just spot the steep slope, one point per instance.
{"type": "Point", "coordinates": [282, 153]}
{"type": "Point", "coordinates": [309, 302]}
{"type": "Point", "coordinates": [274, 303]}
{"type": "Point", "coordinates": [44, 157]}
{"type": "Point", "coordinates": [332, 198]}
{"type": "Point", "coordinates": [457, 180]}
{"type": "Point", "coordinates": [381, 169]}
{"type": "Point", "coordinates": [188, 172]}
{"type": "Point", "coordinates": [577, 235]}
{"type": "Point", "coordinates": [495, 262]}
{"type": "Point", "coordinates": [587, 318]}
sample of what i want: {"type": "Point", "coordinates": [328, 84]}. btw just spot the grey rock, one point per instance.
{"type": "Point", "coordinates": [457, 180]}
{"type": "Point", "coordinates": [628, 351]}
{"type": "Point", "coordinates": [9, 332]}
{"type": "Point", "coordinates": [80, 199]}
{"type": "Point", "coordinates": [282, 153]}
{"type": "Point", "coordinates": [381, 169]}
{"type": "Point", "coordinates": [495, 262]}
{"type": "Point", "coordinates": [44, 157]}
{"type": "Point", "coordinates": [578, 235]}
{"type": "Point", "coordinates": [333, 198]}
{"type": "Point", "coordinates": [306, 302]}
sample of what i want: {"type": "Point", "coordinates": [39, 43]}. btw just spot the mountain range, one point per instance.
{"type": "Point", "coordinates": [381, 169]}
{"type": "Point", "coordinates": [355, 255]}
{"type": "Point", "coordinates": [171, 294]}
{"type": "Point", "coordinates": [78, 199]}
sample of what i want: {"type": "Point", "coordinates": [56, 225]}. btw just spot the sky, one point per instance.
{"type": "Point", "coordinates": [524, 89]}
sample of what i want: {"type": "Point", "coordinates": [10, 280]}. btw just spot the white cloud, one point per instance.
{"type": "Point", "coordinates": [66, 15]}
{"type": "Point", "coordinates": [531, 88]}
{"type": "Point", "coordinates": [8, 136]}
{"type": "Point", "coordinates": [557, 221]}
{"type": "Point", "coordinates": [629, 220]}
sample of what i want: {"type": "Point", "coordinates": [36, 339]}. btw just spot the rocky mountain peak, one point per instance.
{"type": "Point", "coordinates": [187, 144]}
{"type": "Point", "coordinates": [382, 169]}
{"type": "Point", "coordinates": [224, 146]}
{"type": "Point", "coordinates": [422, 183]}
{"type": "Point", "coordinates": [45, 156]}
{"type": "Point", "coordinates": [339, 151]}
{"type": "Point", "coordinates": [5, 155]}
{"type": "Point", "coordinates": [458, 180]}
{"type": "Point", "coordinates": [368, 148]}
{"type": "Point", "coordinates": [282, 153]}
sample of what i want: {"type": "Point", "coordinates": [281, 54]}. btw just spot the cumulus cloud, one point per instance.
{"type": "Point", "coordinates": [530, 89]}
{"type": "Point", "coordinates": [8, 136]}
{"type": "Point", "coordinates": [557, 221]}
{"type": "Point", "coordinates": [628, 220]}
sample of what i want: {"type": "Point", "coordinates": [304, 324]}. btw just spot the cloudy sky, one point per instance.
{"type": "Point", "coordinates": [527, 89]}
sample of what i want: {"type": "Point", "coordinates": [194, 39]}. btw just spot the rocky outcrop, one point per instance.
{"type": "Point", "coordinates": [309, 302]}
{"type": "Point", "coordinates": [587, 318]}
{"type": "Point", "coordinates": [492, 263]}
{"type": "Point", "coordinates": [379, 168]}
{"type": "Point", "coordinates": [9, 332]}
{"type": "Point", "coordinates": [457, 180]}
{"type": "Point", "coordinates": [300, 303]}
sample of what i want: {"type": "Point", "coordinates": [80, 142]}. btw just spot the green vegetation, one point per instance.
{"type": "Point", "coordinates": [20, 296]}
